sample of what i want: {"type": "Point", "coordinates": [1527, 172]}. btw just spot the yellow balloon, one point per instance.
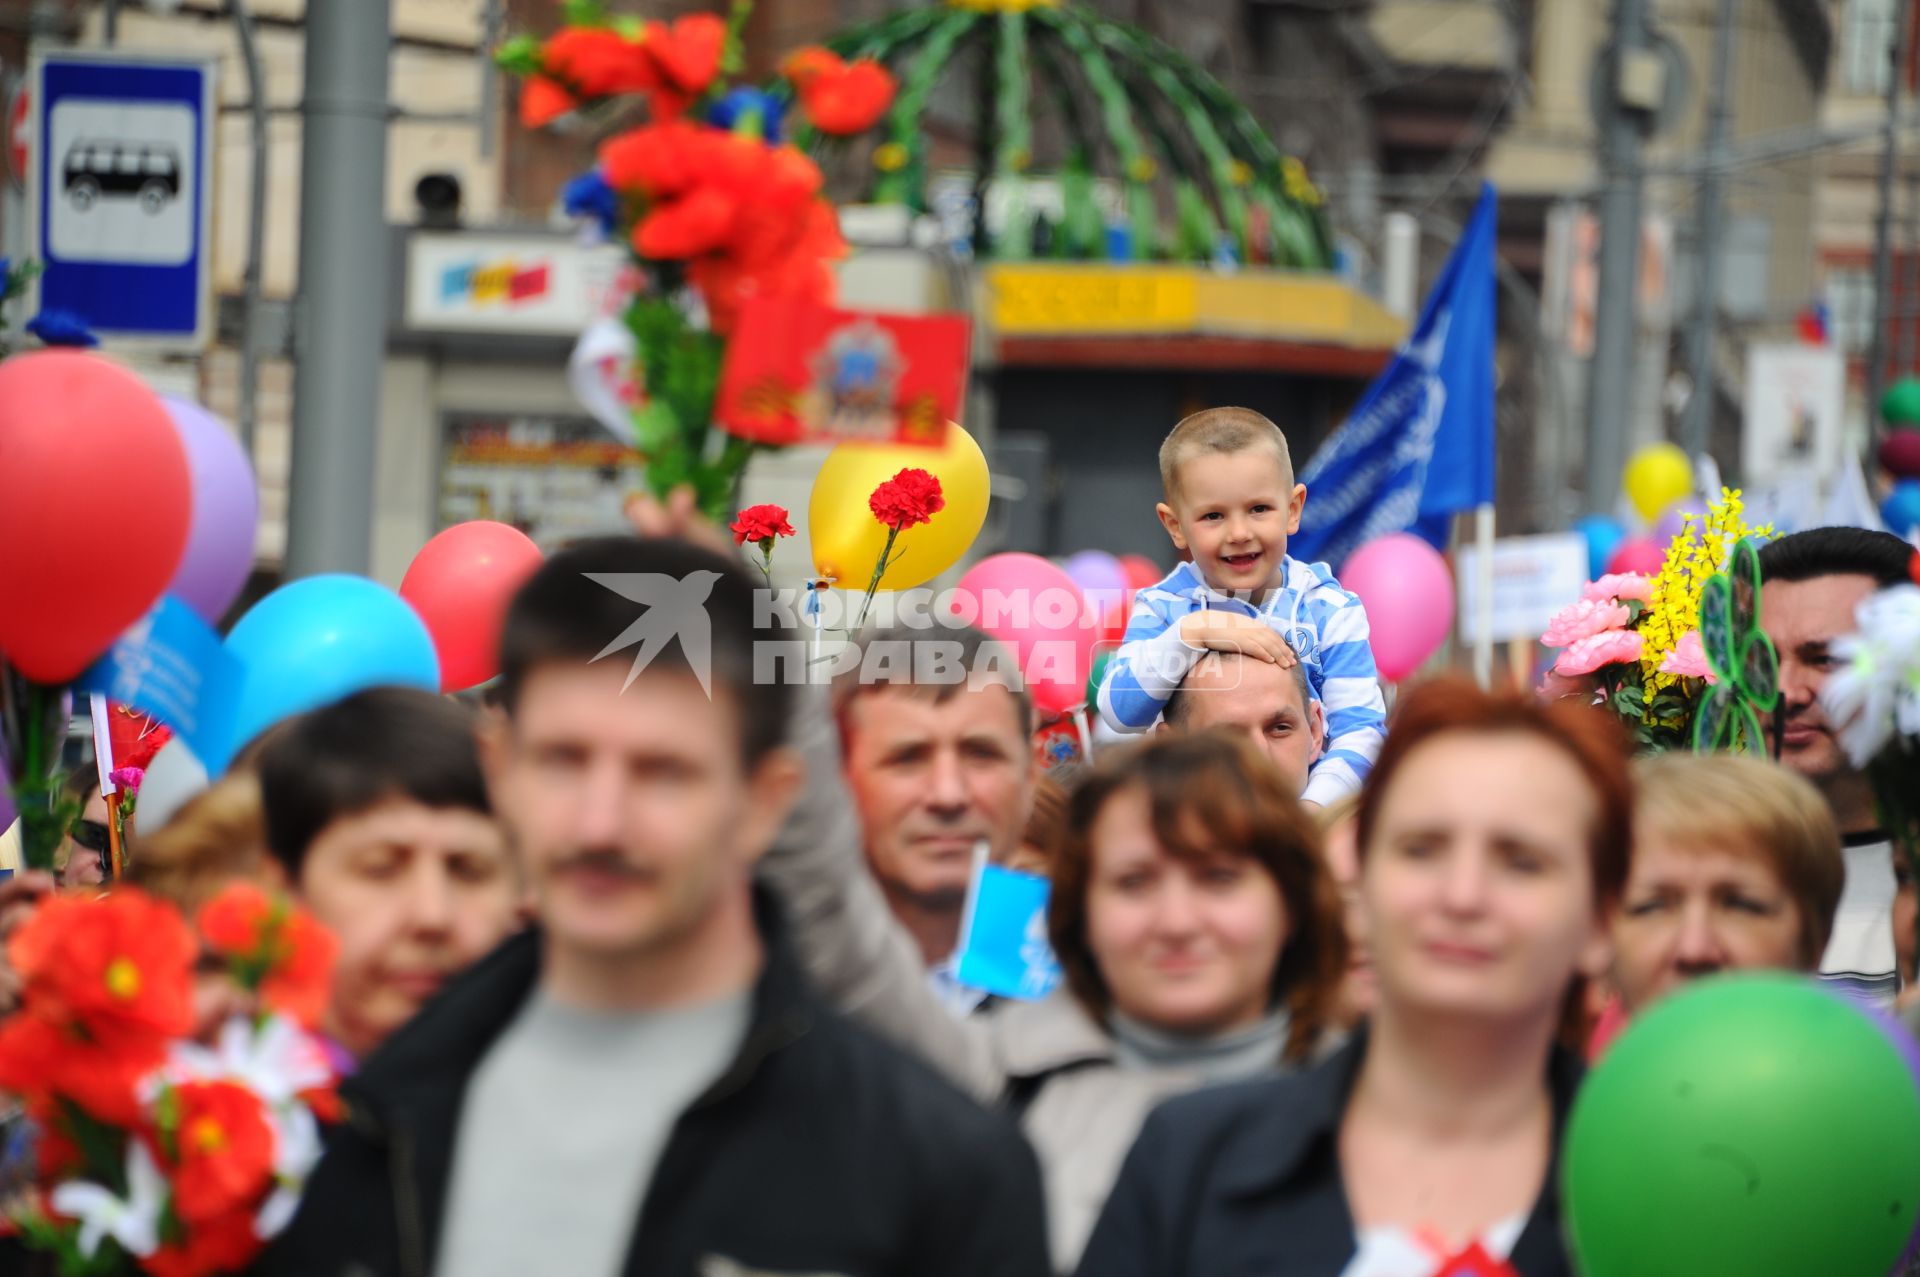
{"type": "Point", "coordinates": [1657, 476]}
{"type": "Point", "coordinates": [847, 539]}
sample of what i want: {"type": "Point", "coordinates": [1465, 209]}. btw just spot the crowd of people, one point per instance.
{"type": "Point", "coordinates": [651, 969]}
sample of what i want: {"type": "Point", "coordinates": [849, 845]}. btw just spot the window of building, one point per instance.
{"type": "Point", "coordinates": [1850, 308]}
{"type": "Point", "coordinates": [1867, 28]}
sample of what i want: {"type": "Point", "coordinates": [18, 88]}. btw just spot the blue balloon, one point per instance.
{"type": "Point", "coordinates": [1604, 535]}
{"type": "Point", "coordinates": [316, 640]}
{"type": "Point", "coordinates": [1901, 509]}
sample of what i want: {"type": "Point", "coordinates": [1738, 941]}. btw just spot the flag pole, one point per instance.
{"type": "Point", "coordinates": [1483, 595]}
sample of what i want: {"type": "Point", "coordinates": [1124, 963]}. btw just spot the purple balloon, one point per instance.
{"type": "Point", "coordinates": [1895, 1031]}
{"type": "Point", "coordinates": [1098, 574]}
{"type": "Point", "coordinates": [226, 513]}
{"type": "Point", "coordinates": [1674, 520]}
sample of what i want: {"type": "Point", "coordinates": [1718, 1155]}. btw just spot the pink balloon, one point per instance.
{"type": "Point", "coordinates": [1408, 592]}
{"type": "Point", "coordinates": [1638, 555]}
{"type": "Point", "coordinates": [1037, 611]}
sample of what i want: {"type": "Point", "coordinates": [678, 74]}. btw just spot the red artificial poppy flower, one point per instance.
{"type": "Point", "coordinates": [688, 52]}
{"type": "Point", "coordinates": [223, 1245]}
{"type": "Point", "coordinates": [542, 101]}
{"type": "Point", "coordinates": [220, 1154]}
{"type": "Point", "coordinates": [597, 62]}
{"type": "Point", "coordinates": [658, 160]}
{"type": "Point", "coordinates": [120, 962]}
{"type": "Point", "coordinates": [761, 524]}
{"type": "Point", "coordinates": [849, 99]}
{"type": "Point", "coordinates": [697, 222]}
{"type": "Point", "coordinates": [909, 498]}
{"type": "Point", "coordinates": [272, 946]}
{"type": "Point", "coordinates": [803, 66]}
{"type": "Point", "coordinates": [41, 1061]}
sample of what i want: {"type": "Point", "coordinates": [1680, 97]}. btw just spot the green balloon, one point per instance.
{"type": "Point", "coordinates": [1752, 1124]}
{"type": "Point", "coordinates": [1900, 406]}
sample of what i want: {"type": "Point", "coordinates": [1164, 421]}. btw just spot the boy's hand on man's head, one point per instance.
{"type": "Point", "coordinates": [1232, 632]}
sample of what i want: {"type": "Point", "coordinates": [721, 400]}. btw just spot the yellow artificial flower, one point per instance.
{"type": "Point", "coordinates": [1673, 608]}
{"type": "Point", "coordinates": [890, 157]}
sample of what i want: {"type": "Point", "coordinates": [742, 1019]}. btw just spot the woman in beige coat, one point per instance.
{"type": "Point", "coordinates": [1199, 931]}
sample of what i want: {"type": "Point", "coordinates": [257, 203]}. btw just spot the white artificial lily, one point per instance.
{"type": "Point", "coordinates": [276, 1061]}
{"type": "Point", "coordinates": [1877, 691]}
{"type": "Point", "coordinates": [134, 1221]}
{"type": "Point", "coordinates": [296, 1149]}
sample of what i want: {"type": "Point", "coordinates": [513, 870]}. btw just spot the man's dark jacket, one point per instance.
{"type": "Point", "coordinates": [821, 1150]}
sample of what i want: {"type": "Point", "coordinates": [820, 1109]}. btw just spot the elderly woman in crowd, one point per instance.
{"type": "Point", "coordinates": [1736, 866]}
{"type": "Point", "coordinates": [1493, 843]}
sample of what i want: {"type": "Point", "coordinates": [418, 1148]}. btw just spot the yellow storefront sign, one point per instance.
{"type": "Point", "coordinates": [1055, 300]}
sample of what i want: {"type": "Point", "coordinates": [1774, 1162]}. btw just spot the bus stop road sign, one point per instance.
{"type": "Point", "coordinates": [120, 192]}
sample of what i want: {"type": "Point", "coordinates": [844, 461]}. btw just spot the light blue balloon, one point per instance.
{"type": "Point", "coordinates": [1604, 535]}
{"type": "Point", "coordinates": [316, 640]}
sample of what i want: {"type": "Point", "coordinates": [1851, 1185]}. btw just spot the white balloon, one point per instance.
{"type": "Point", "coordinates": [173, 777]}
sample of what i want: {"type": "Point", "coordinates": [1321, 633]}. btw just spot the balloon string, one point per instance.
{"type": "Point", "coordinates": [1086, 737]}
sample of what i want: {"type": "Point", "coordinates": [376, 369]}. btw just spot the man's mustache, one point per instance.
{"type": "Point", "coordinates": [599, 860]}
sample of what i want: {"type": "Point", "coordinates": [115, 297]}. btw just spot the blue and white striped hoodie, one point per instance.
{"type": "Point", "coordinates": [1325, 625]}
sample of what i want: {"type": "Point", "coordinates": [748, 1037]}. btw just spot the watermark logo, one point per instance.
{"type": "Point", "coordinates": [676, 609]}
{"type": "Point", "coordinates": [800, 638]}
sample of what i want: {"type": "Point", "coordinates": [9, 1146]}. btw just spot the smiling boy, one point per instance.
{"type": "Point", "coordinates": [1231, 503]}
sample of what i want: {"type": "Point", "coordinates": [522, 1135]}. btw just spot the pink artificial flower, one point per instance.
{"type": "Point", "coordinates": [1609, 647]}
{"type": "Point", "coordinates": [1688, 659]}
{"type": "Point", "coordinates": [1584, 619]}
{"type": "Point", "coordinates": [1637, 586]}
{"type": "Point", "coordinates": [128, 778]}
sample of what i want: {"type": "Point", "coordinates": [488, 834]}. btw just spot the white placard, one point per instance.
{"type": "Point", "coordinates": [1794, 404]}
{"type": "Point", "coordinates": [1533, 577]}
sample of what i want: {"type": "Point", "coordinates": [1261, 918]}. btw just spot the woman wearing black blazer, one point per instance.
{"type": "Point", "coordinates": [1494, 835]}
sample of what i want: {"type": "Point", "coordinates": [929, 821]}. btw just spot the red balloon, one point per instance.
{"type": "Point", "coordinates": [1638, 555]}
{"type": "Point", "coordinates": [85, 449]}
{"type": "Point", "coordinates": [461, 583]}
{"type": "Point", "coordinates": [1141, 571]}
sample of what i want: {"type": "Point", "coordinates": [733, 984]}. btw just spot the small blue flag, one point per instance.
{"type": "Point", "coordinates": [1418, 448]}
{"type": "Point", "coordinates": [1003, 942]}
{"type": "Point", "coordinates": [172, 665]}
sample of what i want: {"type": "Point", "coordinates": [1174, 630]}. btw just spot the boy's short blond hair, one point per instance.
{"type": "Point", "coordinates": [1731, 802]}
{"type": "Point", "coordinates": [1220, 430]}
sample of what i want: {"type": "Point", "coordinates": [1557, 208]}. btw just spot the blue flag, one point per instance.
{"type": "Point", "coordinates": [1003, 942]}
{"type": "Point", "coordinates": [1419, 447]}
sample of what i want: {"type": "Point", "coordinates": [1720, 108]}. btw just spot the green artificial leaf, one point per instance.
{"type": "Point", "coordinates": [583, 13]}
{"type": "Point", "coordinates": [1760, 673]}
{"type": "Point", "coordinates": [520, 56]}
{"type": "Point", "coordinates": [655, 428]}
{"type": "Point", "coordinates": [1195, 229]}
{"type": "Point", "coordinates": [1716, 626]}
{"type": "Point", "coordinates": [1711, 719]}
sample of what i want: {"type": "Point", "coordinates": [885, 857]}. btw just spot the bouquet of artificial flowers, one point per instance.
{"type": "Point", "coordinates": [153, 1152]}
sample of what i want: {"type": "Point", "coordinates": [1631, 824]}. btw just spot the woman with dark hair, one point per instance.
{"type": "Point", "coordinates": [1493, 840]}
{"type": "Point", "coordinates": [1199, 932]}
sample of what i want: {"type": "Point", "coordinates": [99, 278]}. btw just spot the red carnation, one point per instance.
{"type": "Point", "coordinates": [659, 160]}
{"type": "Point", "coordinates": [849, 99]}
{"type": "Point", "coordinates": [910, 498]}
{"type": "Point", "coordinates": [761, 524]}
